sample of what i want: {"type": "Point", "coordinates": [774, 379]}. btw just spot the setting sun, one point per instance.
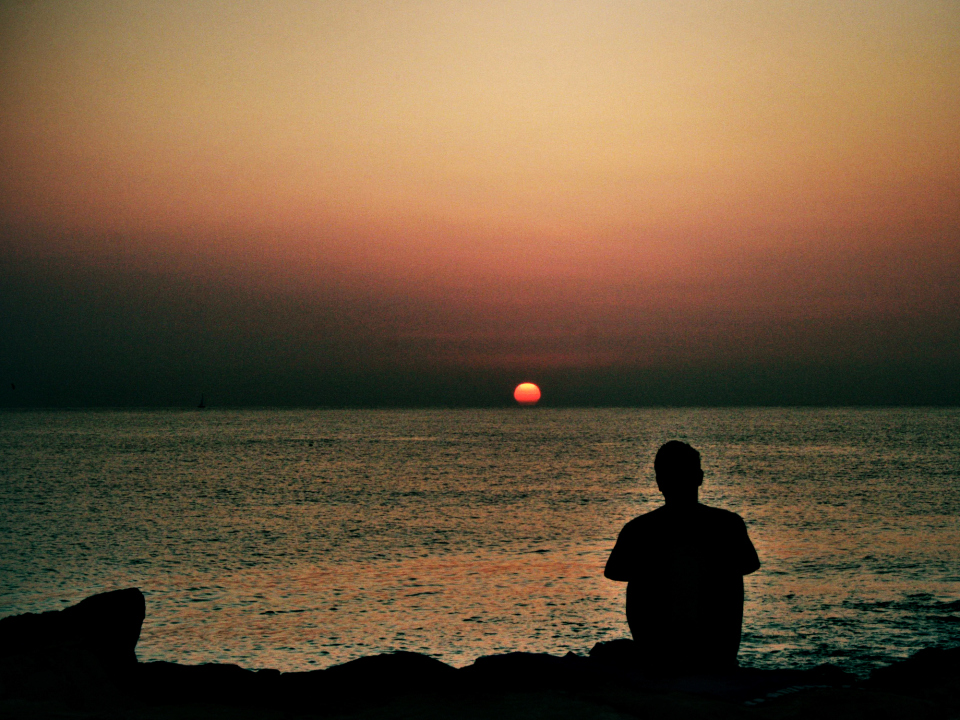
{"type": "Point", "coordinates": [526, 394]}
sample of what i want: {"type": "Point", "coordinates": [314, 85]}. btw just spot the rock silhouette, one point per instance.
{"type": "Point", "coordinates": [105, 627]}
{"type": "Point", "coordinates": [82, 659]}
{"type": "Point", "coordinates": [82, 656]}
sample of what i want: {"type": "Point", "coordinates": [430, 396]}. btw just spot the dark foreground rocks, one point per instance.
{"type": "Point", "coordinates": [80, 663]}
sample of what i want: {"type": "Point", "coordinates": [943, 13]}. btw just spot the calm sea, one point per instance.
{"type": "Point", "coordinates": [302, 539]}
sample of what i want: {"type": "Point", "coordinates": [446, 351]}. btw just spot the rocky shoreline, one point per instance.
{"type": "Point", "coordinates": [81, 662]}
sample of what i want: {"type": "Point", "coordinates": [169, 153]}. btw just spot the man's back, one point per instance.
{"type": "Point", "coordinates": [684, 565]}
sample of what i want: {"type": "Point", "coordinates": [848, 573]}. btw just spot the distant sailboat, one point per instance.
{"type": "Point", "coordinates": [201, 406]}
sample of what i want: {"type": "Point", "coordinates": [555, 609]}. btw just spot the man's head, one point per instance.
{"type": "Point", "coordinates": [677, 466]}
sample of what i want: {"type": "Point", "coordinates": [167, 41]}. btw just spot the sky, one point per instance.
{"type": "Point", "coordinates": [426, 203]}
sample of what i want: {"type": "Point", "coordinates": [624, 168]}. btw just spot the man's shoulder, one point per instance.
{"type": "Point", "coordinates": [710, 519]}
{"type": "Point", "coordinates": [720, 520]}
{"type": "Point", "coordinates": [720, 515]}
{"type": "Point", "coordinates": [647, 521]}
{"type": "Point", "coordinates": [662, 514]}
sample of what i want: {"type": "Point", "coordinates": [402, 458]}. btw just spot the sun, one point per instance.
{"type": "Point", "coordinates": [526, 394]}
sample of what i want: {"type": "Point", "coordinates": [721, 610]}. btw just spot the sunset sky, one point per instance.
{"type": "Point", "coordinates": [402, 203]}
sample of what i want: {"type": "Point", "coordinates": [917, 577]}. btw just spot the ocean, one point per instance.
{"type": "Point", "coordinates": [300, 539]}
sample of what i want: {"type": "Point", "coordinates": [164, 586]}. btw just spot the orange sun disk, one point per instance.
{"type": "Point", "coordinates": [526, 394]}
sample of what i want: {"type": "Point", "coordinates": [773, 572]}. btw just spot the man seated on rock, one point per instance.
{"type": "Point", "coordinates": [684, 564]}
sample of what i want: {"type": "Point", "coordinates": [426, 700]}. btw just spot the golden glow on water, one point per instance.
{"type": "Point", "coordinates": [480, 603]}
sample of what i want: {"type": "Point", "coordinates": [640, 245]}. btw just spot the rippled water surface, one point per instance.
{"type": "Point", "coordinates": [301, 539]}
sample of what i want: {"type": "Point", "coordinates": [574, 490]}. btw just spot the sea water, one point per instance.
{"type": "Point", "coordinates": [300, 539]}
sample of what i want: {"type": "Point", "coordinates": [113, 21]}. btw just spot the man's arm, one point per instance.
{"type": "Point", "coordinates": [747, 554]}
{"type": "Point", "coordinates": [618, 564]}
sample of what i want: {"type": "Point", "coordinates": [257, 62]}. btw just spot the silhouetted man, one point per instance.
{"type": "Point", "coordinates": [684, 563]}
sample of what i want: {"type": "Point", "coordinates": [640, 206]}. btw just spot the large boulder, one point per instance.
{"type": "Point", "coordinates": [104, 627]}
{"type": "Point", "coordinates": [83, 656]}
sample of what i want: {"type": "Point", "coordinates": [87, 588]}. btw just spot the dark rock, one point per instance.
{"type": "Point", "coordinates": [392, 672]}
{"type": "Point", "coordinates": [622, 653]}
{"type": "Point", "coordinates": [754, 685]}
{"type": "Point", "coordinates": [302, 691]}
{"type": "Point", "coordinates": [524, 671]}
{"type": "Point", "coordinates": [621, 663]}
{"type": "Point", "coordinates": [368, 680]}
{"type": "Point", "coordinates": [360, 682]}
{"type": "Point", "coordinates": [82, 656]}
{"type": "Point", "coordinates": [166, 683]}
{"type": "Point", "coordinates": [931, 675]}
{"type": "Point", "coordinates": [105, 627]}
{"type": "Point", "coordinates": [930, 666]}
